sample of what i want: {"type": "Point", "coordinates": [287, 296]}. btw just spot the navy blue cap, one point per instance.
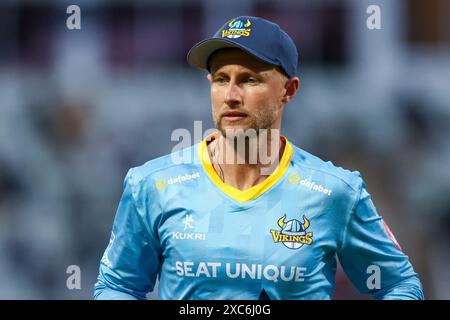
{"type": "Point", "coordinates": [259, 37]}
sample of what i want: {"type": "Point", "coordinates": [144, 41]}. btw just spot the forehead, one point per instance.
{"type": "Point", "coordinates": [233, 57]}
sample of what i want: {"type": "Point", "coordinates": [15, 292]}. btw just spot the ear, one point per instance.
{"type": "Point", "coordinates": [291, 87]}
{"type": "Point", "coordinates": [209, 76]}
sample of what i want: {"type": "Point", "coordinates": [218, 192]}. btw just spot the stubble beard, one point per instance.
{"type": "Point", "coordinates": [258, 121]}
{"type": "Point", "coordinates": [256, 133]}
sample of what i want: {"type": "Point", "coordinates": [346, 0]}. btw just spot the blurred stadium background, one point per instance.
{"type": "Point", "coordinates": [79, 107]}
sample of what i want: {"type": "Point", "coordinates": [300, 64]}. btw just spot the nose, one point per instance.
{"type": "Point", "coordinates": [233, 95]}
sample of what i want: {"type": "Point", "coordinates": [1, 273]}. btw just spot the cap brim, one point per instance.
{"type": "Point", "coordinates": [199, 53]}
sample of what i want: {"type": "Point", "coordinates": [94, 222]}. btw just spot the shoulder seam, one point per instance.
{"type": "Point", "coordinates": [331, 174]}
{"type": "Point", "coordinates": [133, 186]}
{"type": "Point", "coordinates": [135, 203]}
{"type": "Point", "coordinates": [160, 169]}
{"type": "Point", "coordinates": [352, 210]}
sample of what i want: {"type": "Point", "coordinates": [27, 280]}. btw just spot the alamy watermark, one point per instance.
{"type": "Point", "coordinates": [374, 280]}
{"type": "Point", "coordinates": [73, 21]}
{"type": "Point", "coordinates": [373, 21]}
{"type": "Point", "coordinates": [74, 280]}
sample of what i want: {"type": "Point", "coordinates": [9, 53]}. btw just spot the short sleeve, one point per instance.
{"type": "Point", "coordinates": [130, 264]}
{"type": "Point", "coordinates": [369, 247]}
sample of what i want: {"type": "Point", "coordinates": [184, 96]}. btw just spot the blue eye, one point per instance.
{"type": "Point", "coordinates": [220, 80]}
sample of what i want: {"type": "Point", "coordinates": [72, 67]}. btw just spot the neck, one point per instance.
{"type": "Point", "coordinates": [244, 162]}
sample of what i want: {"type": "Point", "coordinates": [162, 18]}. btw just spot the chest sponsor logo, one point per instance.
{"type": "Point", "coordinates": [254, 271]}
{"type": "Point", "coordinates": [294, 179]}
{"type": "Point", "coordinates": [293, 233]}
{"type": "Point", "coordinates": [162, 183]}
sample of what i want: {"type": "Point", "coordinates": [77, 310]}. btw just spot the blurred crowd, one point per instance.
{"type": "Point", "coordinates": [80, 107]}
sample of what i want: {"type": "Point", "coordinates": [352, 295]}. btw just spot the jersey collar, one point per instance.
{"type": "Point", "coordinates": [250, 193]}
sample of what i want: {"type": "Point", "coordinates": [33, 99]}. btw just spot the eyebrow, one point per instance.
{"type": "Point", "coordinates": [259, 75]}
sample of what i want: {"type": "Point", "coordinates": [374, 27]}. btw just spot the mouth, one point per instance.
{"type": "Point", "coordinates": [233, 116]}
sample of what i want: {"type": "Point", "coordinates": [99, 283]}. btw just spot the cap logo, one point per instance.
{"type": "Point", "coordinates": [237, 28]}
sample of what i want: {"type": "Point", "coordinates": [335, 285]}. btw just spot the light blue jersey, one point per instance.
{"type": "Point", "coordinates": [280, 239]}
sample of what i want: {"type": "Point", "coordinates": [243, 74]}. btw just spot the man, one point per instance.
{"type": "Point", "coordinates": [239, 224]}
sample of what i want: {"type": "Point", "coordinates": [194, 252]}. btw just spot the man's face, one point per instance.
{"type": "Point", "coordinates": [245, 92]}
